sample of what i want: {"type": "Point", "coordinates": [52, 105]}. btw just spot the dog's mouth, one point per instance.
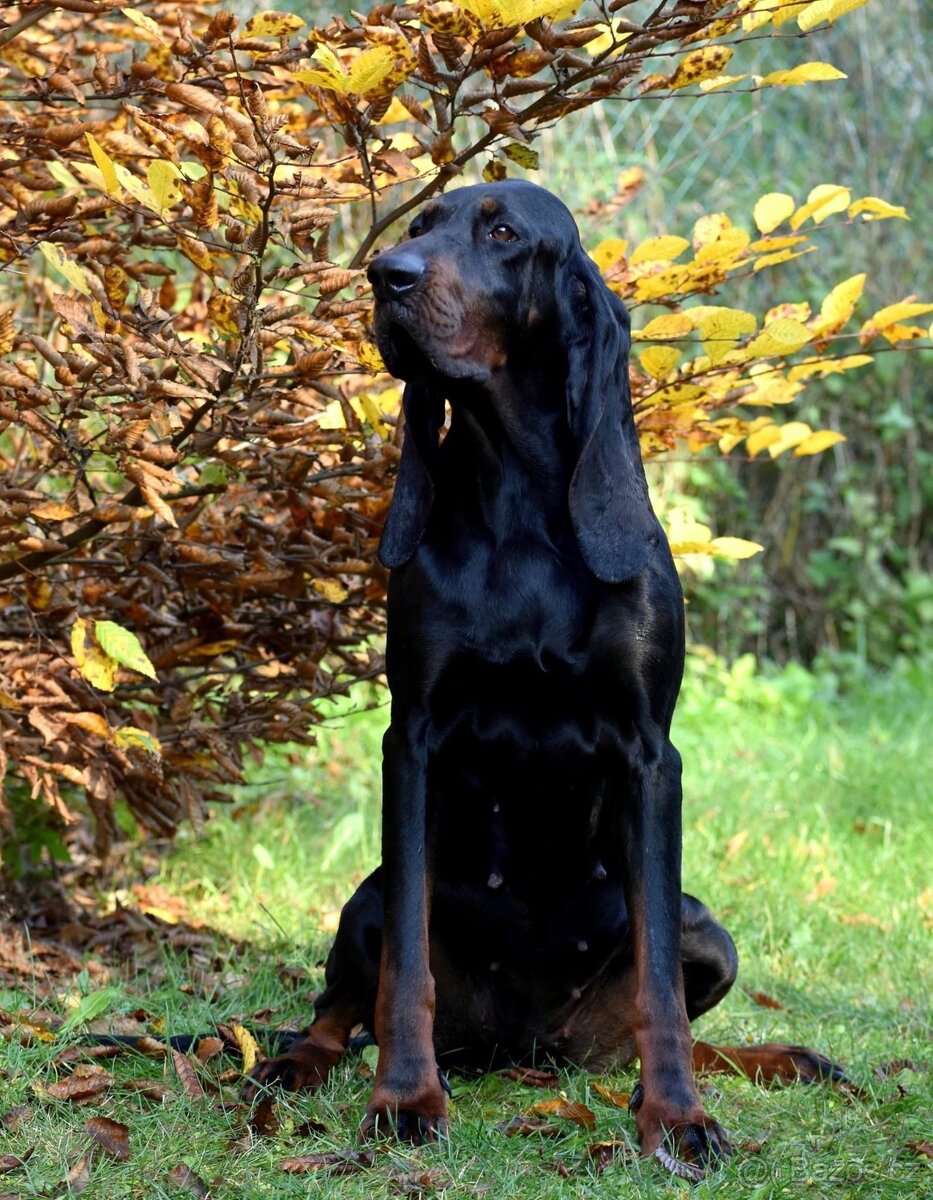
{"type": "Point", "coordinates": [414, 358]}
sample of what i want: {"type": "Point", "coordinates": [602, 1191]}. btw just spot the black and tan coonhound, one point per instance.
{"type": "Point", "coordinates": [529, 902]}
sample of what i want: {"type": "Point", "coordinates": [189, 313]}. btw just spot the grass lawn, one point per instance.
{"type": "Point", "coordinates": [806, 831]}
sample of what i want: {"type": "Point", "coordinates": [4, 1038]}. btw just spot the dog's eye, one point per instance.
{"type": "Point", "coordinates": [503, 233]}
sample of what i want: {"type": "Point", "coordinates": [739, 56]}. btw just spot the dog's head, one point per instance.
{"type": "Point", "coordinates": [492, 276]}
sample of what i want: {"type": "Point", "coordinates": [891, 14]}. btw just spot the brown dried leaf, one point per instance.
{"type": "Point", "coordinates": [187, 1075]}
{"type": "Point", "coordinates": [416, 1183]}
{"type": "Point", "coordinates": [619, 1099]}
{"type": "Point", "coordinates": [80, 1175]}
{"type": "Point", "coordinates": [567, 1110]}
{"type": "Point", "coordinates": [183, 1176]}
{"type": "Point", "coordinates": [79, 1088]}
{"type": "Point", "coordinates": [16, 1117]}
{"type": "Point", "coordinates": [112, 1136]}
{"type": "Point", "coordinates": [150, 1088]}
{"type": "Point", "coordinates": [924, 1148]}
{"type": "Point", "coordinates": [263, 1119]}
{"type": "Point", "coordinates": [604, 1154]}
{"type": "Point", "coordinates": [532, 1078]}
{"type": "Point", "coordinates": [763, 999]}
{"type": "Point", "coordinates": [525, 1126]}
{"type": "Point", "coordinates": [12, 1162]}
{"type": "Point", "coordinates": [335, 1162]}
{"type": "Point", "coordinates": [208, 1048]}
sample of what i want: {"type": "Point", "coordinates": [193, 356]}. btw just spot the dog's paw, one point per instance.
{"type": "Point", "coordinates": [416, 1119]}
{"type": "Point", "coordinates": [304, 1068]}
{"type": "Point", "coordinates": [686, 1143]}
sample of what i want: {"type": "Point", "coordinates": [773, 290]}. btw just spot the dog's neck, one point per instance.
{"type": "Point", "coordinates": [509, 450]}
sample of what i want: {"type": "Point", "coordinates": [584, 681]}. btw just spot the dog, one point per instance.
{"type": "Point", "coordinates": [529, 903]}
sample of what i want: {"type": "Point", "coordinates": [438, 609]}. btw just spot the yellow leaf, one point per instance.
{"type": "Point", "coordinates": [817, 442]}
{"type": "Point", "coordinates": [761, 438]}
{"type": "Point", "coordinates": [124, 647]}
{"type": "Point", "coordinates": [840, 303]}
{"type": "Point", "coordinates": [786, 10]}
{"type": "Point", "coordinates": [195, 249]}
{"type": "Point", "coordinates": [720, 81]}
{"type": "Point", "coordinates": [789, 435]}
{"type": "Point", "coordinates": [105, 164]}
{"type": "Point", "coordinates": [895, 313]}
{"type": "Point", "coordinates": [828, 366]}
{"type": "Point", "coordinates": [524, 156]}
{"type": "Point", "coordinates": [772, 209]}
{"type": "Point", "coordinates": [331, 589]}
{"type": "Point", "coordinates": [369, 69]}
{"type": "Point", "coordinates": [780, 337]}
{"type": "Point", "coordinates": [659, 249]}
{"type": "Point", "coordinates": [163, 177]}
{"type": "Point", "coordinates": [720, 329]}
{"type": "Point", "coordinates": [826, 10]}
{"type": "Point", "coordinates": [710, 228]}
{"type": "Point", "coordinates": [608, 252]}
{"type": "Point", "coordinates": [52, 510]}
{"type": "Point", "coordinates": [372, 413]}
{"type": "Point", "coordinates": [902, 333]}
{"type": "Point", "coordinates": [97, 668]}
{"type": "Point", "coordinates": [733, 547]}
{"type": "Point", "coordinates": [248, 1047]}
{"type": "Point", "coordinates": [766, 244]}
{"type": "Point", "coordinates": [704, 63]}
{"type": "Point", "coordinates": [771, 260]}
{"type": "Point", "coordinates": [273, 24]}
{"type": "Point", "coordinates": [727, 247]}
{"type": "Point", "coordinates": [796, 312]}
{"type": "Point", "coordinates": [809, 72]}
{"type": "Point", "coordinates": [671, 325]}
{"type": "Point", "coordinates": [368, 356]}
{"type": "Point", "coordinates": [659, 360]}
{"type": "Point", "coordinates": [824, 200]}
{"type": "Point", "coordinates": [129, 737]}
{"type": "Point", "coordinates": [874, 209]}
{"type": "Point", "coordinates": [90, 722]}
{"type": "Point", "coordinates": [56, 257]}
{"type": "Point", "coordinates": [145, 23]}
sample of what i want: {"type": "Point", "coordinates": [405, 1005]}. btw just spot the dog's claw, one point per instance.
{"type": "Point", "coordinates": [682, 1169]}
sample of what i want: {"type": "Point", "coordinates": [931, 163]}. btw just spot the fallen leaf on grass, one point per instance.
{"type": "Point", "coordinates": [78, 1088]}
{"type": "Point", "coordinates": [80, 1175]}
{"type": "Point", "coordinates": [112, 1137]}
{"type": "Point", "coordinates": [14, 1119]}
{"type": "Point", "coordinates": [887, 1069]}
{"type": "Point", "coordinates": [248, 1047]}
{"type": "Point", "coordinates": [619, 1099]}
{"type": "Point", "coordinates": [335, 1162]}
{"type": "Point", "coordinates": [309, 1129]}
{"type": "Point", "coordinates": [263, 1119]}
{"type": "Point", "coordinates": [567, 1110]}
{"type": "Point", "coordinates": [183, 1176]}
{"type": "Point", "coordinates": [762, 999]}
{"type": "Point", "coordinates": [187, 1075]}
{"type": "Point", "coordinates": [151, 1046]}
{"type": "Point", "coordinates": [923, 1148]}
{"type": "Point", "coordinates": [525, 1126]}
{"type": "Point", "coordinates": [78, 1053]}
{"type": "Point", "coordinates": [604, 1154]}
{"type": "Point", "coordinates": [532, 1078]}
{"type": "Point", "coordinates": [208, 1048]}
{"type": "Point", "coordinates": [415, 1183]}
{"type": "Point", "coordinates": [11, 1162]}
{"type": "Point", "coordinates": [150, 1088]}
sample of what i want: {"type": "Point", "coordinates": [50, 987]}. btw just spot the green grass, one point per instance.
{"type": "Point", "coordinates": [805, 830]}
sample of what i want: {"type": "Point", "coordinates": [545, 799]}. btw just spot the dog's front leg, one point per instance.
{"type": "Point", "coordinates": [408, 1098]}
{"type": "Point", "coordinates": [670, 1118]}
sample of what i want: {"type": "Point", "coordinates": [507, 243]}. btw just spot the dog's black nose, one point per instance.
{"type": "Point", "coordinates": [395, 272]}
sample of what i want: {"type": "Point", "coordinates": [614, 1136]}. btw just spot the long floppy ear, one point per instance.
{"type": "Point", "coordinates": [414, 486]}
{"type": "Point", "coordinates": [611, 513]}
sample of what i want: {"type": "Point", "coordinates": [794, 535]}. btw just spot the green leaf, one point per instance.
{"type": "Point", "coordinates": [124, 647]}
{"type": "Point", "coordinates": [93, 1005]}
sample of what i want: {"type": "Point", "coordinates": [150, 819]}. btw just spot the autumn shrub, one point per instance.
{"type": "Point", "coordinates": [196, 435]}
